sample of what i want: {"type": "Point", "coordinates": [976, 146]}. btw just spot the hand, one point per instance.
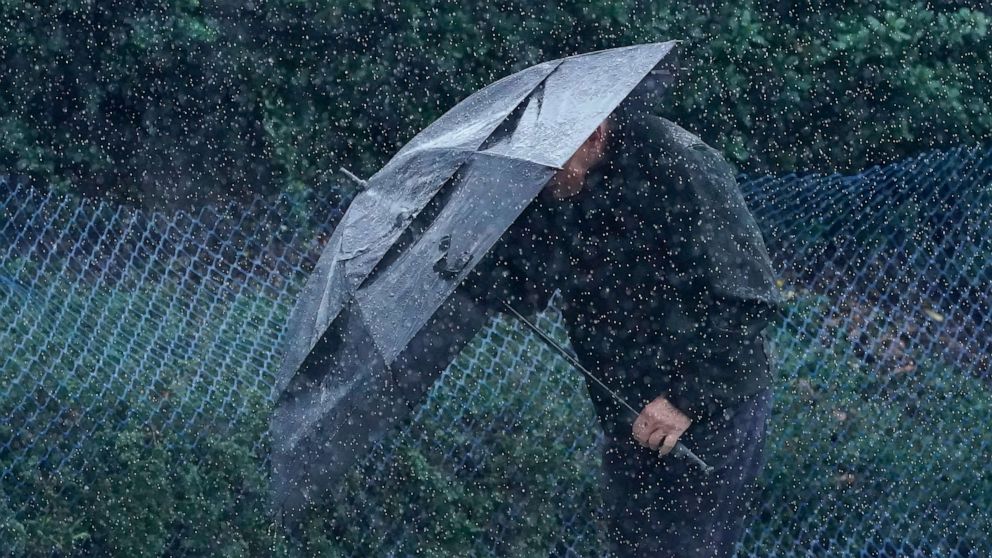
{"type": "Point", "coordinates": [660, 425]}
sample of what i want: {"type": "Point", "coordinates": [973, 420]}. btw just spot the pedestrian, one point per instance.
{"type": "Point", "coordinates": [668, 294]}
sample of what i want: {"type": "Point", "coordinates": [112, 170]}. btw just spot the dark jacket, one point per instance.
{"type": "Point", "coordinates": [667, 284]}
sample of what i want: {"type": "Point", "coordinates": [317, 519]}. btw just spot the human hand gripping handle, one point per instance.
{"type": "Point", "coordinates": [659, 427]}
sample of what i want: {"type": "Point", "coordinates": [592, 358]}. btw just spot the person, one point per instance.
{"type": "Point", "coordinates": [668, 294]}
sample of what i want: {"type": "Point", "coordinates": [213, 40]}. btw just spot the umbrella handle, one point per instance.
{"type": "Point", "coordinates": [683, 452]}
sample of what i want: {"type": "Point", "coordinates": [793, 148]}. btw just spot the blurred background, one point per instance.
{"type": "Point", "coordinates": [169, 175]}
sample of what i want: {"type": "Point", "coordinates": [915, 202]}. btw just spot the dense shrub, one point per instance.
{"type": "Point", "coordinates": [173, 101]}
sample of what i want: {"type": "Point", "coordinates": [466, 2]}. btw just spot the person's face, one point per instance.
{"type": "Point", "coordinates": [569, 181]}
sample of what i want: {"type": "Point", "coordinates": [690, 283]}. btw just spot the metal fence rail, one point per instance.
{"type": "Point", "coordinates": [113, 319]}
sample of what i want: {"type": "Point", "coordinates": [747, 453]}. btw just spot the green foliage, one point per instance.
{"type": "Point", "coordinates": [144, 493]}
{"type": "Point", "coordinates": [154, 489]}
{"type": "Point", "coordinates": [177, 101]}
{"type": "Point", "coordinates": [857, 446]}
{"type": "Point", "coordinates": [853, 446]}
{"type": "Point", "coordinates": [147, 102]}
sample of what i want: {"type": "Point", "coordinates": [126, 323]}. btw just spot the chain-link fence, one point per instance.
{"type": "Point", "coordinates": [139, 349]}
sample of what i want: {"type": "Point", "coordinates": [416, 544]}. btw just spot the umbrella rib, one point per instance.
{"type": "Point", "coordinates": [509, 158]}
{"type": "Point", "coordinates": [478, 152]}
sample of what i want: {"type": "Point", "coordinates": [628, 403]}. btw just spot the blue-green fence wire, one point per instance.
{"type": "Point", "coordinates": [114, 319]}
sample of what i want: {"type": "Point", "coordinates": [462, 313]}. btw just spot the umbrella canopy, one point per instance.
{"type": "Point", "coordinates": [379, 317]}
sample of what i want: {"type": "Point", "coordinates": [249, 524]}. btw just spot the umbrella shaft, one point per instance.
{"type": "Point", "coordinates": [571, 359]}
{"type": "Point", "coordinates": [680, 450]}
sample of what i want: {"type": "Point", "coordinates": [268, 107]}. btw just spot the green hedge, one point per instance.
{"type": "Point", "coordinates": [176, 101]}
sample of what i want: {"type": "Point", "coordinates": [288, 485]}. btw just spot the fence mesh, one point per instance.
{"type": "Point", "coordinates": [136, 334]}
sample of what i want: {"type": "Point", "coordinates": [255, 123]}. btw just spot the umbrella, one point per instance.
{"type": "Point", "coordinates": [380, 316]}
